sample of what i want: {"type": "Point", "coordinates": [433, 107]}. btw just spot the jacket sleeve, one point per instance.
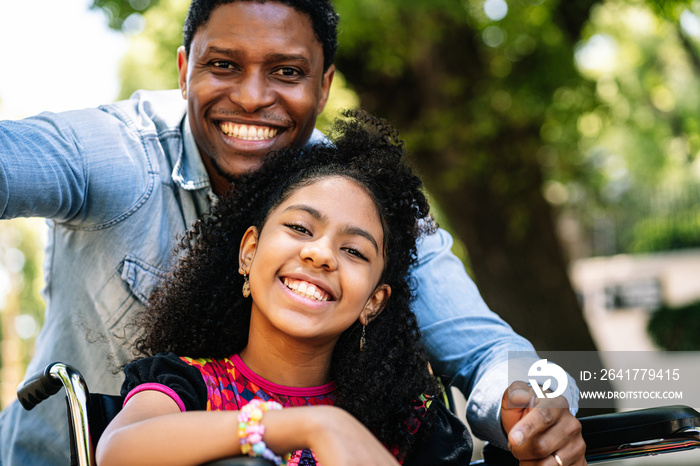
{"type": "Point", "coordinates": [71, 167]}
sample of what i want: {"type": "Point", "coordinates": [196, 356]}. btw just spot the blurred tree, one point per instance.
{"type": "Point", "coordinates": [151, 60]}
{"type": "Point", "coordinates": [21, 305]}
{"type": "Point", "coordinates": [638, 168]}
{"type": "Point", "coordinates": [121, 12]}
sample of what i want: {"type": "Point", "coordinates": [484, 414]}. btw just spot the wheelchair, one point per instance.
{"type": "Point", "coordinates": [608, 437]}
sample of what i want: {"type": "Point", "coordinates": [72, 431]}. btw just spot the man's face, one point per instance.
{"type": "Point", "coordinates": [254, 83]}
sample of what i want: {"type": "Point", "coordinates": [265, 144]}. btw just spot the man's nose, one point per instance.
{"type": "Point", "coordinates": [252, 92]}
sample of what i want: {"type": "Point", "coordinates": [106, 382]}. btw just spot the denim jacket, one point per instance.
{"type": "Point", "coordinates": [118, 184]}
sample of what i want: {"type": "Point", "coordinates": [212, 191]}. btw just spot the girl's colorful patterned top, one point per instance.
{"type": "Point", "coordinates": [228, 384]}
{"type": "Point", "coordinates": [231, 385]}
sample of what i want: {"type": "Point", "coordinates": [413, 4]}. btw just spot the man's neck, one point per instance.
{"type": "Point", "coordinates": [219, 184]}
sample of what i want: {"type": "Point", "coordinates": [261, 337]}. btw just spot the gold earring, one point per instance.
{"type": "Point", "coordinates": [246, 285]}
{"type": "Point", "coordinates": [362, 338]}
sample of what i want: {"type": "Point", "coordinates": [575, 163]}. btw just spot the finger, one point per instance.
{"type": "Point", "coordinates": [551, 460]}
{"type": "Point", "coordinates": [535, 422]}
{"type": "Point", "coordinates": [519, 395]}
{"type": "Point", "coordinates": [563, 437]}
{"type": "Point", "coordinates": [517, 400]}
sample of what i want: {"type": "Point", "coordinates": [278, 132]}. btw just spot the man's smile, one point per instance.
{"type": "Point", "coordinates": [248, 132]}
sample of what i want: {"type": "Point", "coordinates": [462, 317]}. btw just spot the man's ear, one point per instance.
{"type": "Point", "coordinates": [246, 253]}
{"type": "Point", "coordinates": [375, 304]}
{"type": "Point", "coordinates": [325, 88]}
{"type": "Point", "coordinates": [182, 70]}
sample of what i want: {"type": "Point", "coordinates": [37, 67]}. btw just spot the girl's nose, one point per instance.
{"type": "Point", "coordinates": [319, 254]}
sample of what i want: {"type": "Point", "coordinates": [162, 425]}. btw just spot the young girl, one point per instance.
{"type": "Point", "coordinates": [293, 293]}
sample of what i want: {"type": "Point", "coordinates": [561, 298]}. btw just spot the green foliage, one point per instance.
{"type": "Point", "coordinates": [340, 98]}
{"type": "Point", "coordinates": [676, 329]}
{"type": "Point", "coordinates": [21, 256]}
{"type": "Point", "coordinates": [674, 232]}
{"type": "Point", "coordinates": [637, 131]}
{"type": "Point", "coordinates": [151, 60]}
{"type": "Point", "coordinates": [118, 11]}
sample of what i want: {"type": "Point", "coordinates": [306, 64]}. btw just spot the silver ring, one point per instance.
{"type": "Point", "coordinates": [557, 459]}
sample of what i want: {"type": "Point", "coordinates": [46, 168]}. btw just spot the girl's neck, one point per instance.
{"type": "Point", "coordinates": [287, 362]}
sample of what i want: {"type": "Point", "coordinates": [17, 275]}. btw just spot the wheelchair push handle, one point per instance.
{"type": "Point", "coordinates": [39, 387]}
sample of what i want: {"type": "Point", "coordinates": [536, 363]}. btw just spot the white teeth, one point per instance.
{"type": "Point", "coordinates": [247, 132]}
{"type": "Point", "coordinates": [308, 290]}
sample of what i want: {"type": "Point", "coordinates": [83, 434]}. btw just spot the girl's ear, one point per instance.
{"type": "Point", "coordinates": [246, 253]}
{"type": "Point", "coordinates": [375, 304]}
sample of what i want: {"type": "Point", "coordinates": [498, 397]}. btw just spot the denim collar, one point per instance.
{"type": "Point", "coordinates": [190, 172]}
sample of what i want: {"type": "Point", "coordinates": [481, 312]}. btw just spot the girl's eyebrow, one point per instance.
{"type": "Point", "coordinates": [348, 230]}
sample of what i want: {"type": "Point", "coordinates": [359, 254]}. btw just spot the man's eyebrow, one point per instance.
{"type": "Point", "coordinates": [281, 57]}
{"type": "Point", "coordinates": [349, 230]}
{"type": "Point", "coordinates": [270, 57]}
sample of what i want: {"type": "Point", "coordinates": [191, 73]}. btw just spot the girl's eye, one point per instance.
{"type": "Point", "coordinates": [298, 228]}
{"type": "Point", "coordinates": [356, 253]}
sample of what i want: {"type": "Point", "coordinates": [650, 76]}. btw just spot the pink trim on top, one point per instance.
{"type": "Point", "coordinates": [158, 388]}
{"type": "Point", "coordinates": [280, 389]}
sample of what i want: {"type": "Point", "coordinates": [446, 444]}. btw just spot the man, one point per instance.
{"type": "Point", "coordinates": [121, 182]}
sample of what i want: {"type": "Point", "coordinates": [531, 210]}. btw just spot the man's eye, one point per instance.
{"type": "Point", "coordinates": [287, 72]}
{"type": "Point", "coordinates": [222, 64]}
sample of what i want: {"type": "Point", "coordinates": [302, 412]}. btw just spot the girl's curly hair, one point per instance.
{"type": "Point", "coordinates": [199, 310]}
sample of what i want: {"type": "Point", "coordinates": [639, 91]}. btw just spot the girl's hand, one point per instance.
{"type": "Point", "coordinates": [335, 437]}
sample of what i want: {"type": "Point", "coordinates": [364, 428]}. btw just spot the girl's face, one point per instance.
{"type": "Point", "coordinates": [315, 266]}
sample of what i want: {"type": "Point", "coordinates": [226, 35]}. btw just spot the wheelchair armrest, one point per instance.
{"type": "Point", "coordinates": [606, 430]}
{"type": "Point", "coordinates": [626, 434]}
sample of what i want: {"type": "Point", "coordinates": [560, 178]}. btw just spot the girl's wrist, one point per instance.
{"type": "Point", "coordinates": [251, 431]}
{"type": "Point", "coordinates": [297, 427]}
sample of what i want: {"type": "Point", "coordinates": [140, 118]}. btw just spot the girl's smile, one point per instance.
{"type": "Point", "coordinates": [313, 291]}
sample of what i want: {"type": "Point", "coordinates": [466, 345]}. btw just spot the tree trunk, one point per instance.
{"type": "Point", "coordinates": [513, 246]}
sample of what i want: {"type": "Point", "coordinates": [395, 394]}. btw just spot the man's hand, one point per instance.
{"type": "Point", "coordinates": [541, 431]}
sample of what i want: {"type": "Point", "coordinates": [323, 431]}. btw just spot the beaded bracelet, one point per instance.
{"type": "Point", "coordinates": [251, 431]}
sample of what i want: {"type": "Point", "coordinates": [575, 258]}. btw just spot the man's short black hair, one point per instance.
{"type": "Point", "coordinates": [323, 18]}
